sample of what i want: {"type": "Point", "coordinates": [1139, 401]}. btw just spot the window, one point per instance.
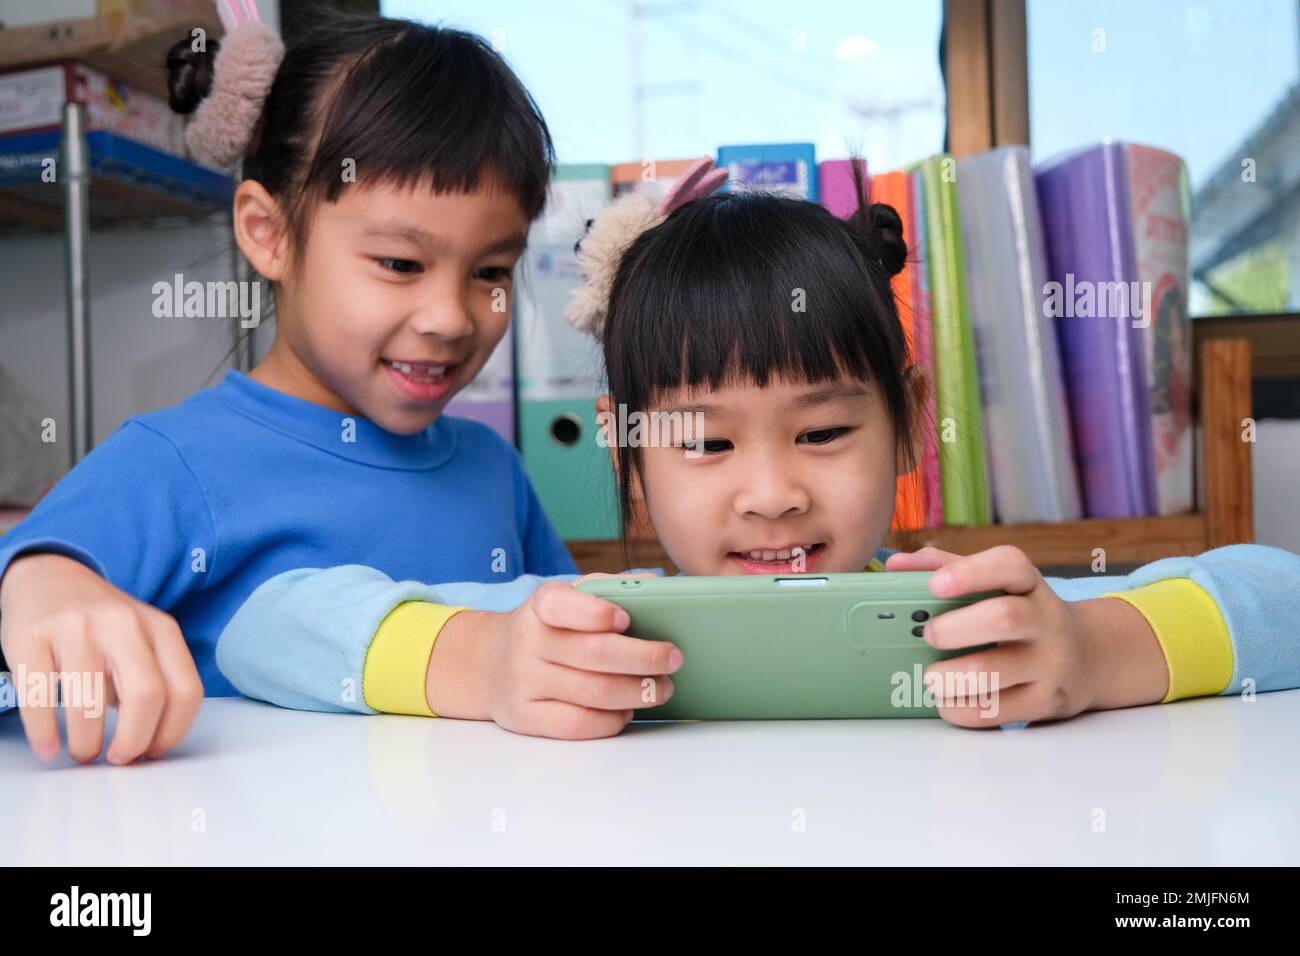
{"type": "Point", "coordinates": [1214, 81]}
{"type": "Point", "coordinates": [661, 79]}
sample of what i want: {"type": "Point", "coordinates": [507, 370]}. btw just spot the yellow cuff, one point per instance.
{"type": "Point", "coordinates": [1191, 632]}
{"type": "Point", "coordinates": [397, 661]}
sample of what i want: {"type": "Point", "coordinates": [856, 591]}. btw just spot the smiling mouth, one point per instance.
{"type": "Point", "coordinates": [783, 554]}
{"type": "Point", "coordinates": [422, 373]}
{"type": "Point", "coordinates": [777, 560]}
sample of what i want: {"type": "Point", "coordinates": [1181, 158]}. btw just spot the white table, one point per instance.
{"type": "Point", "coordinates": [1198, 782]}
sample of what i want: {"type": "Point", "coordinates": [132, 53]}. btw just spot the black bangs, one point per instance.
{"type": "Point", "coordinates": [390, 101]}
{"type": "Point", "coordinates": [746, 287]}
{"type": "Point", "coordinates": [438, 107]}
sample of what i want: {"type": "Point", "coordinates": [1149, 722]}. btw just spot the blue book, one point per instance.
{"type": "Point", "coordinates": [786, 168]}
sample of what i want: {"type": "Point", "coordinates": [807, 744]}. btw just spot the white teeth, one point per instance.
{"type": "Point", "coordinates": [785, 554]}
{"type": "Point", "coordinates": [424, 373]}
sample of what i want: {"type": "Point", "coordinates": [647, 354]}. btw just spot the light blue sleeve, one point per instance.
{"type": "Point", "coordinates": [300, 640]}
{"type": "Point", "coordinates": [1257, 590]}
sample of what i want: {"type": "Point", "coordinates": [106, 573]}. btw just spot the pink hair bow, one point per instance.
{"type": "Point", "coordinates": [699, 180]}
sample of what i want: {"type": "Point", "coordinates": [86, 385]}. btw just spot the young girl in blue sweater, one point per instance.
{"type": "Point", "coordinates": [809, 416]}
{"type": "Point", "coordinates": [389, 175]}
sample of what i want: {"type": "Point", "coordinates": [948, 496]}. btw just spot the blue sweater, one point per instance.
{"type": "Point", "coordinates": [305, 633]}
{"type": "Point", "coordinates": [190, 508]}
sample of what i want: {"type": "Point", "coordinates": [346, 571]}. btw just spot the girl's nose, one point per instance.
{"type": "Point", "coordinates": [769, 492]}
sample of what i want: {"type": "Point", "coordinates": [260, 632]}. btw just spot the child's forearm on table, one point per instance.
{"type": "Point", "coordinates": [456, 683]}
{"type": "Point", "coordinates": [1125, 664]}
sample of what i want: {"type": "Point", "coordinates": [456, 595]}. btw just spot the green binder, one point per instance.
{"type": "Point", "coordinates": [559, 373]}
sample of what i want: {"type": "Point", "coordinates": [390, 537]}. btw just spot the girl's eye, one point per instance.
{"type": "Point", "coordinates": [400, 266]}
{"type": "Point", "coordinates": [824, 436]}
{"type": "Point", "coordinates": [707, 446]}
{"type": "Point", "coordinates": [493, 273]}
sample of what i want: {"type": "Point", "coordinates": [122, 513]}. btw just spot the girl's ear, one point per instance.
{"type": "Point", "coordinates": [917, 387]}
{"type": "Point", "coordinates": [259, 229]}
{"type": "Point", "coordinates": [605, 422]}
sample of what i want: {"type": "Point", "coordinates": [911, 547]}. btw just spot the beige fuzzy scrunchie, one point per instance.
{"type": "Point", "coordinates": [242, 72]}
{"type": "Point", "coordinates": [612, 233]}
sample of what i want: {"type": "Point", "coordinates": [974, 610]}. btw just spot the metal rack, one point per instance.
{"type": "Point", "coordinates": [100, 180]}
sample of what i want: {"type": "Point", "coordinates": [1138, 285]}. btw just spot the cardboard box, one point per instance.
{"type": "Point", "coordinates": [33, 100]}
{"type": "Point", "coordinates": [128, 40]}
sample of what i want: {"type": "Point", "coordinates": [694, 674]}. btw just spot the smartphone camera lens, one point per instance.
{"type": "Point", "coordinates": [920, 615]}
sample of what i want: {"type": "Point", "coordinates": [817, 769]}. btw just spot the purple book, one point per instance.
{"type": "Point", "coordinates": [836, 189]}
{"type": "Point", "coordinates": [489, 398]}
{"type": "Point", "coordinates": [1096, 298]}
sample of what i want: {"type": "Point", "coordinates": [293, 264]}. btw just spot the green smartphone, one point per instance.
{"type": "Point", "coordinates": [784, 647]}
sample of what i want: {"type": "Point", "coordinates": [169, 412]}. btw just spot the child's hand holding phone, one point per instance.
{"type": "Point", "coordinates": [558, 666]}
{"type": "Point", "coordinates": [59, 617]}
{"type": "Point", "coordinates": [1054, 658]}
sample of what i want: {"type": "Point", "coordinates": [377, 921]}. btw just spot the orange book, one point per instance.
{"type": "Point", "coordinates": [894, 188]}
{"type": "Point", "coordinates": [655, 175]}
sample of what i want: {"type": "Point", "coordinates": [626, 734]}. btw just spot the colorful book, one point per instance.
{"type": "Point", "coordinates": [962, 463]}
{"type": "Point", "coordinates": [923, 333]}
{"type": "Point", "coordinates": [559, 367]}
{"type": "Point", "coordinates": [786, 168]}
{"type": "Point", "coordinates": [1030, 451]}
{"type": "Point", "coordinates": [652, 176]}
{"type": "Point", "coordinates": [1161, 204]}
{"type": "Point", "coordinates": [895, 189]}
{"type": "Point", "coordinates": [1094, 294]}
{"type": "Point", "coordinates": [836, 187]}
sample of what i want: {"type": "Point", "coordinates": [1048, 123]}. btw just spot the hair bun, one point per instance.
{"type": "Point", "coordinates": [889, 245]}
{"type": "Point", "coordinates": [189, 75]}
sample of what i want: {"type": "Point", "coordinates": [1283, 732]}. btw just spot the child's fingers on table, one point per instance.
{"type": "Point", "coordinates": [612, 653]}
{"type": "Point", "coordinates": [925, 559]}
{"type": "Point", "coordinates": [141, 695]}
{"type": "Point", "coordinates": [1005, 567]}
{"type": "Point", "coordinates": [565, 721]}
{"type": "Point", "coordinates": [1009, 617]}
{"type": "Point", "coordinates": [184, 688]}
{"type": "Point", "coordinates": [605, 691]}
{"type": "Point", "coordinates": [1034, 701]}
{"type": "Point", "coordinates": [40, 722]}
{"type": "Point", "coordinates": [563, 606]}
{"type": "Point", "coordinates": [79, 666]}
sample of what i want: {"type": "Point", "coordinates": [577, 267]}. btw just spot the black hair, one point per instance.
{"type": "Point", "coordinates": [407, 102]}
{"type": "Point", "coordinates": [710, 297]}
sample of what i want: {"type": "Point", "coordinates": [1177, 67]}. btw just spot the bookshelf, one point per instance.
{"type": "Point", "coordinates": [1222, 399]}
